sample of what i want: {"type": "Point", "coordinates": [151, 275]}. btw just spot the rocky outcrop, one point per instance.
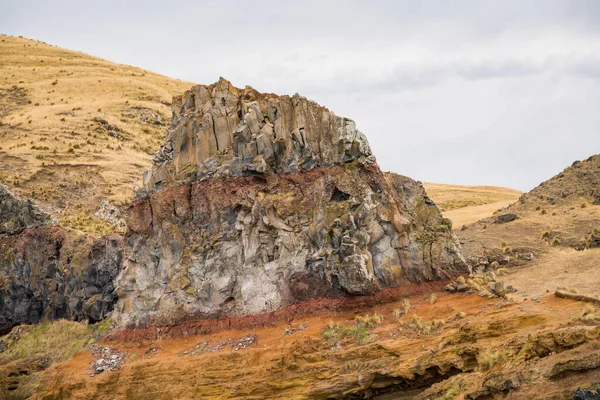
{"type": "Point", "coordinates": [51, 273]}
{"type": "Point", "coordinates": [220, 130]}
{"type": "Point", "coordinates": [580, 181]}
{"type": "Point", "coordinates": [17, 214]}
{"type": "Point", "coordinates": [47, 272]}
{"type": "Point", "coordinates": [258, 201]}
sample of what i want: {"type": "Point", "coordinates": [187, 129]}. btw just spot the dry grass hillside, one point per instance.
{"type": "Point", "coordinates": [467, 204]}
{"type": "Point", "coordinates": [76, 129]}
{"type": "Point", "coordinates": [555, 238]}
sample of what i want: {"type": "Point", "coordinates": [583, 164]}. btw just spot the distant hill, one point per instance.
{"type": "Point", "coordinates": [467, 204]}
{"type": "Point", "coordinates": [579, 182]}
{"type": "Point", "coordinates": [76, 129]}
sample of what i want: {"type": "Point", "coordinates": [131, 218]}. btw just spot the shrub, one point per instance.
{"type": "Point", "coordinates": [432, 298]}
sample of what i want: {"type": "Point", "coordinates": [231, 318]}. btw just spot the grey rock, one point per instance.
{"type": "Point", "coordinates": [17, 214]}
{"type": "Point", "coordinates": [51, 274]}
{"type": "Point", "coordinates": [504, 218]}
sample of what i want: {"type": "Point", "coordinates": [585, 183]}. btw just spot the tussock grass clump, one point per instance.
{"type": "Point", "coordinates": [502, 271]}
{"type": "Point", "coordinates": [460, 279]}
{"type": "Point", "coordinates": [406, 305]}
{"type": "Point", "coordinates": [450, 394]}
{"type": "Point", "coordinates": [397, 312]}
{"type": "Point", "coordinates": [460, 315]}
{"type": "Point", "coordinates": [495, 265]}
{"type": "Point", "coordinates": [588, 313]}
{"type": "Point", "coordinates": [424, 327]}
{"type": "Point", "coordinates": [488, 359]}
{"type": "Point", "coordinates": [334, 333]}
{"type": "Point", "coordinates": [507, 250]}
{"type": "Point", "coordinates": [555, 241]}
{"type": "Point", "coordinates": [432, 298]}
{"type": "Point", "coordinates": [369, 320]}
{"type": "Point", "coordinates": [474, 285]}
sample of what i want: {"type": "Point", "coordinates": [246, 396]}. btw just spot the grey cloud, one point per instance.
{"type": "Point", "coordinates": [471, 91]}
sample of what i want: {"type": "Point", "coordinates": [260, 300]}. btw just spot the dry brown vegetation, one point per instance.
{"type": "Point", "coordinates": [452, 197]}
{"type": "Point", "coordinates": [76, 129]}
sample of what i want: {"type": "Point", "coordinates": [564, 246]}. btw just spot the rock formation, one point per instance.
{"type": "Point", "coordinates": [256, 201]}
{"type": "Point", "coordinates": [47, 272]}
{"type": "Point", "coordinates": [17, 214]}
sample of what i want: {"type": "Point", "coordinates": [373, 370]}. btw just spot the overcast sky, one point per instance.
{"type": "Point", "coordinates": [472, 92]}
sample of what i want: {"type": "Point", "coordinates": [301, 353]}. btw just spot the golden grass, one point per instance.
{"type": "Point", "coordinates": [452, 197]}
{"type": "Point", "coordinates": [488, 359]}
{"type": "Point", "coordinates": [55, 124]}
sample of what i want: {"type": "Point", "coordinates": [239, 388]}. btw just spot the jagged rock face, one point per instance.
{"type": "Point", "coordinates": [49, 273]}
{"type": "Point", "coordinates": [317, 219]}
{"type": "Point", "coordinates": [220, 130]}
{"type": "Point", "coordinates": [17, 214]}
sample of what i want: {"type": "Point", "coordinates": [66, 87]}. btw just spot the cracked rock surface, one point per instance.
{"type": "Point", "coordinates": [257, 201]}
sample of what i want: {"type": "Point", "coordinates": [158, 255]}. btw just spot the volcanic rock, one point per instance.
{"type": "Point", "coordinates": [47, 272]}
{"type": "Point", "coordinates": [257, 201]}
{"type": "Point", "coordinates": [17, 214]}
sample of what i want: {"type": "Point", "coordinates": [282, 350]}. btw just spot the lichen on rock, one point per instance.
{"type": "Point", "coordinates": [257, 201]}
{"type": "Point", "coordinates": [18, 214]}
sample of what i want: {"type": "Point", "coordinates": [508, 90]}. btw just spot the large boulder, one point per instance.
{"type": "Point", "coordinates": [258, 201]}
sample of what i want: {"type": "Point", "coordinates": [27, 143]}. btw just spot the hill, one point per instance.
{"type": "Point", "coordinates": [76, 129]}
{"type": "Point", "coordinates": [467, 204]}
{"type": "Point", "coordinates": [553, 230]}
